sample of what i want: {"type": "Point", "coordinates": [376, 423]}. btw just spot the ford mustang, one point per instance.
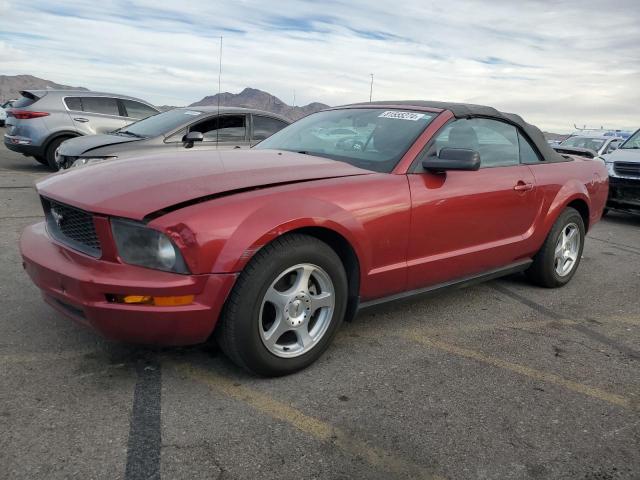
{"type": "Point", "coordinates": [268, 250]}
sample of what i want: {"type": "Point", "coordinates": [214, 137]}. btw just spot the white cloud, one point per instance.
{"type": "Point", "coordinates": [555, 63]}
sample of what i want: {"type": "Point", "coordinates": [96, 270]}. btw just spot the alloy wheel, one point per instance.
{"type": "Point", "coordinates": [296, 310]}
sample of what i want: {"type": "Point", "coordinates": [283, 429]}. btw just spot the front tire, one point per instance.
{"type": "Point", "coordinates": [557, 261]}
{"type": "Point", "coordinates": [285, 308]}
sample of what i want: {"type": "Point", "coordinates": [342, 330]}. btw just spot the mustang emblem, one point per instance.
{"type": "Point", "coordinates": [57, 217]}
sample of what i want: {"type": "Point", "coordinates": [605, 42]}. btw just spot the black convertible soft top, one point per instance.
{"type": "Point", "coordinates": [470, 110]}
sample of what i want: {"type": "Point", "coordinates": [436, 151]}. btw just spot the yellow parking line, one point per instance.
{"type": "Point", "coordinates": [318, 429]}
{"type": "Point", "coordinates": [594, 392]}
{"type": "Point", "coordinates": [626, 319]}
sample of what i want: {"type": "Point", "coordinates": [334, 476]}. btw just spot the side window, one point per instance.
{"type": "Point", "coordinates": [176, 137]}
{"type": "Point", "coordinates": [613, 146]}
{"type": "Point", "coordinates": [104, 105]}
{"type": "Point", "coordinates": [226, 128]}
{"type": "Point", "coordinates": [528, 154]}
{"type": "Point", "coordinates": [73, 103]}
{"type": "Point", "coordinates": [264, 127]}
{"type": "Point", "coordinates": [137, 110]}
{"type": "Point", "coordinates": [495, 141]}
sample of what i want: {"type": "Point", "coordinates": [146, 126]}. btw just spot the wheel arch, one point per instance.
{"type": "Point", "coordinates": [347, 255]}
{"type": "Point", "coordinates": [56, 135]}
{"type": "Point", "coordinates": [573, 194]}
{"type": "Point", "coordinates": [583, 209]}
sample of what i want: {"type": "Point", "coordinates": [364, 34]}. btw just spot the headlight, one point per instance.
{"type": "Point", "coordinates": [140, 245]}
{"type": "Point", "coordinates": [81, 162]}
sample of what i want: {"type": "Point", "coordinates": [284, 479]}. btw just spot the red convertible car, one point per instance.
{"type": "Point", "coordinates": [269, 250]}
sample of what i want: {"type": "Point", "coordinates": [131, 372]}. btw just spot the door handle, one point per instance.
{"type": "Point", "coordinates": [81, 119]}
{"type": "Point", "coordinates": [237, 146]}
{"type": "Point", "coordinates": [522, 186]}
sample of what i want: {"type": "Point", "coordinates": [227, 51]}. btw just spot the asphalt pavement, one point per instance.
{"type": "Point", "coordinates": [498, 381]}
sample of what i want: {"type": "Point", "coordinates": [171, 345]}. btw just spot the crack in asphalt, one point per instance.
{"type": "Point", "coordinates": [619, 246]}
{"type": "Point", "coordinates": [594, 335]}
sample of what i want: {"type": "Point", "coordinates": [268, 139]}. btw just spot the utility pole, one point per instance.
{"type": "Point", "coordinates": [371, 88]}
{"type": "Point", "coordinates": [219, 91]}
{"type": "Point", "coordinates": [294, 98]}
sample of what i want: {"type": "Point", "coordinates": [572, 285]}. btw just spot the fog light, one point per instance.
{"type": "Point", "coordinates": [172, 301]}
{"type": "Point", "coordinates": [137, 299]}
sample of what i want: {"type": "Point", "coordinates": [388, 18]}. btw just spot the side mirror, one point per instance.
{"type": "Point", "coordinates": [453, 159]}
{"type": "Point", "coordinates": [191, 137]}
{"type": "Point", "coordinates": [613, 147]}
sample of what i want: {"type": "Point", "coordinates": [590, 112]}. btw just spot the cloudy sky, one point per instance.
{"type": "Point", "coordinates": [555, 62]}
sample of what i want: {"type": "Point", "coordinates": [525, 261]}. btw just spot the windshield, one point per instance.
{"type": "Point", "coordinates": [373, 139]}
{"type": "Point", "coordinates": [584, 142]}
{"type": "Point", "coordinates": [160, 124]}
{"type": "Point", "coordinates": [633, 142]}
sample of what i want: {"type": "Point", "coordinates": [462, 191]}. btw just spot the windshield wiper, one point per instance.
{"type": "Point", "coordinates": [127, 132]}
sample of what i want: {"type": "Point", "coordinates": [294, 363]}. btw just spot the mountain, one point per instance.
{"type": "Point", "coordinates": [254, 98]}
{"type": "Point", "coordinates": [10, 85]}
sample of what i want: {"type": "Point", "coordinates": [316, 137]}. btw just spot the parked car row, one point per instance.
{"type": "Point", "coordinates": [269, 249]}
{"type": "Point", "coordinates": [53, 127]}
{"type": "Point", "coordinates": [40, 120]}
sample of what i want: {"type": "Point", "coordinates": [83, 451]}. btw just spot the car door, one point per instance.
{"type": "Point", "coordinates": [467, 222]}
{"type": "Point", "coordinates": [227, 131]}
{"type": "Point", "coordinates": [92, 115]}
{"type": "Point", "coordinates": [263, 127]}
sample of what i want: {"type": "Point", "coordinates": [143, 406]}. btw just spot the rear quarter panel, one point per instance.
{"type": "Point", "coordinates": [560, 184]}
{"type": "Point", "coordinates": [372, 212]}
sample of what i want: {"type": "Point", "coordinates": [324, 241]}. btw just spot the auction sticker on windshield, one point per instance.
{"type": "Point", "coordinates": [401, 115]}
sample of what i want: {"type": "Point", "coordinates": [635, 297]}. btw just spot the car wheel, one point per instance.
{"type": "Point", "coordinates": [558, 259]}
{"type": "Point", "coordinates": [285, 308]}
{"type": "Point", "coordinates": [50, 155]}
{"type": "Point", "coordinates": [41, 160]}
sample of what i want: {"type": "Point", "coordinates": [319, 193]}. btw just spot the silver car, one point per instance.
{"type": "Point", "coordinates": [40, 120]}
{"type": "Point", "coordinates": [624, 176]}
{"type": "Point", "coordinates": [600, 144]}
{"type": "Point", "coordinates": [193, 128]}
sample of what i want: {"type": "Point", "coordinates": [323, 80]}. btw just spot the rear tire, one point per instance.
{"type": "Point", "coordinates": [282, 336]}
{"type": "Point", "coordinates": [50, 155]}
{"type": "Point", "coordinates": [557, 261]}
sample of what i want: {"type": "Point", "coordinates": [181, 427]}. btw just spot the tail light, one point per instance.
{"type": "Point", "coordinates": [25, 114]}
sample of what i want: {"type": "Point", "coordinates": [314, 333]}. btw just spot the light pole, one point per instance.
{"type": "Point", "coordinates": [371, 88]}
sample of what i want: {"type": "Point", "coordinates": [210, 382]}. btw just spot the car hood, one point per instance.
{"type": "Point", "coordinates": [137, 187]}
{"type": "Point", "coordinates": [623, 155]}
{"type": "Point", "coordinates": [77, 146]}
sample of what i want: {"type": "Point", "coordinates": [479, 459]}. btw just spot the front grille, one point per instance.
{"type": "Point", "coordinates": [627, 169]}
{"type": "Point", "coordinates": [72, 226]}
